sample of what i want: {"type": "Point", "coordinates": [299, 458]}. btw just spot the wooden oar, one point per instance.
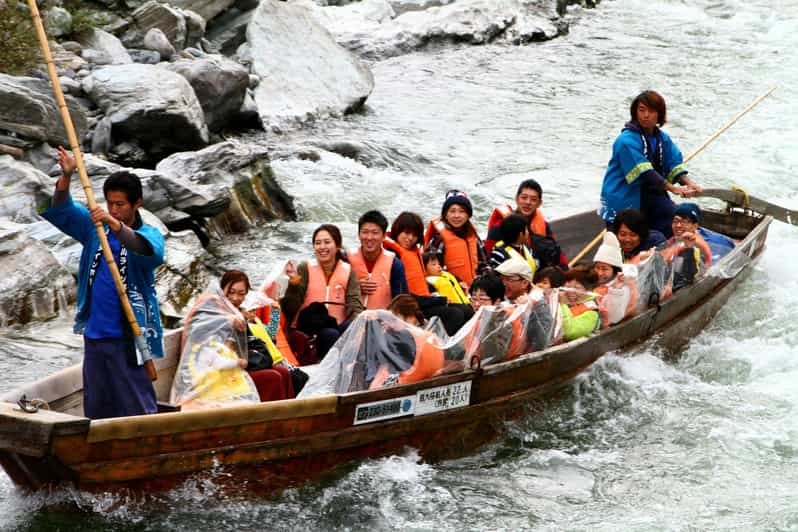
{"type": "Point", "coordinates": [746, 201]}
{"type": "Point", "coordinates": [86, 182]}
{"type": "Point", "coordinates": [695, 152]}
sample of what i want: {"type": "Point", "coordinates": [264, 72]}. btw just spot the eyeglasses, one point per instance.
{"type": "Point", "coordinates": [678, 220]}
{"type": "Point", "coordinates": [515, 279]}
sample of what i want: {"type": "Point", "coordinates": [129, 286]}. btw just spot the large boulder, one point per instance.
{"type": "Point", "coordinates": [103, 48]}
{"type": "Point", "coordinates": [304, 73]}
{"type": "Point", "coordinates": [207, 9]}
{"type": "Point", "coordinates": [23, 190]}
{"type": "Point", "coordinates": [33, 285]}
{"type": "Point", "coordinates": [364, 29]}
{"type": "Point", "coordinates": [220, 85]}
{"type": "Point", "coordinates": [149, 106]}
{"type": "Point", "coordinates": [28, 108]}
{"type": "Point", "coordinates": [232, 174]}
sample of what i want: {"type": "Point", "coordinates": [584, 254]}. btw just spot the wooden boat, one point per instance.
{"type": "Point", "coordinates": [272, 445]}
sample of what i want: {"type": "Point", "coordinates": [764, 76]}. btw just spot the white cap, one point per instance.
{"type": "Point", "coordinates": [609, 251]}
{"type": "Point", "coordinates": [515, 266]}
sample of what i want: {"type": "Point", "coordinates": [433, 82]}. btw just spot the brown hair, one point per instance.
{"type": "Point", "coordinates": [410, 222]}
{"type": "Point", "coordinates": [582, 274]}
{"type": "Point", "coordinates": [334, 232]}
{"type": "Point", "coordinates": [653, 100]}
{"type": "Point", "coordinates": [231, 277]}
{"type": "Point", "coordinates": [406, 305]}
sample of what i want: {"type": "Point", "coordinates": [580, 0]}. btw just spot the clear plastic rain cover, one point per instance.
{"type": "Point", "coordinates": [214, 338]}
{"type": "Point", "coordinates": [378, 349]}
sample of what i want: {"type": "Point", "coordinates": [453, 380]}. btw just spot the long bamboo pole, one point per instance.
{"type": "Point", "coordinates": [692, 154]}
{"type": "Point", "coordinates": [86, 182]}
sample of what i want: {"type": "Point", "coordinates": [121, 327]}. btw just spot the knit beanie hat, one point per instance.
{"type": "Point", "coordinates": [609, 251]}
{"type": "Point", "coordinates": [457, 197]}
{"type": "Point", "coordinates": [688, 210]}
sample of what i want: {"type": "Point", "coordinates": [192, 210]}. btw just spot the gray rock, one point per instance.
{"type": "Point", "coordinates": [219, 83]}
{"type": "Point", "coordinates": [101, 140]}
{"type": "Point", "coordinates": [195, 28]}
{"type": "Point", "coordinates": [304, 72]}
{"type": "Point", "coordinates": [23, 190]}
{"type": "Point", "coordinates": [26, 293]}
{"type": "Point", "coordinates": [28, 108]}
{"type": "Point", "coordinates": [59, 22]}
{"type": "Point", "coordinates": [13, 151]}
{"type": "Point", "coordinates": [145, 57]}
{"type": "Point", "coordinates": [248, 116]}
{"type": "Point", "coordinates": [162, 16]}
{"type": "Point", "coordinates": [150, 105]}
{"type": "Point", "coordinates": [70, 86]}
{"type": "Point", "coordinates": [156, 41]}
{"type": "Point", "coordinates": [102, 48]}
{"type": "Point", "coordinates": [207, 9]}
{"type": "Point", "coordinates": [72, 46]}
{"type": "Point", "coordinates": [183, 275]}
{"type": "Point", "coordinates": [231, 182]}
{"type": "Point", "coordinates": [66, 61]}
{"type": "Point", "coordinates": [403, 6]}
{"type": "Point", "coordinates": [228, 32]}
{"type": "Point", "coordinates": [246, 5]}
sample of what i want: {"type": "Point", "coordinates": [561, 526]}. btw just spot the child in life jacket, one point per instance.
{"type": "Point", "coordinates": [443, 282]}
{"type": "Point", "coordinates": [616, 281]}
{"type": "Point", "coordinates": [580, 311]}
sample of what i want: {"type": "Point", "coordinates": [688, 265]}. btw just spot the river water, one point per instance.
{"type": "Point", "coordinates": [706, 442]}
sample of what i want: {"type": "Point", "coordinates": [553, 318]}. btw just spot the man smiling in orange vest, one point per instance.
{"type": "Point", "coordinates": [380, 272]}
{"type": "Point", "coordinates": [528, 199]}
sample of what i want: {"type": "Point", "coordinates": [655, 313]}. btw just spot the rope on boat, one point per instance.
{"type": "Point", "coordinates": [746, 199]}
{"type": "Point", "coordinates": [33, 405]}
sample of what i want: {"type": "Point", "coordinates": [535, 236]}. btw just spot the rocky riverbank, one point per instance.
{"type": "Point", "coordinates": [159, 88]}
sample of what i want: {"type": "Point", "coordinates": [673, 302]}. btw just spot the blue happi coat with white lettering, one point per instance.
{"type": "Point", "coordinates": [638, 163]}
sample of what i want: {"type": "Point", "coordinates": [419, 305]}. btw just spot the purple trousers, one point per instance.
{"type": "Point", "coordinates": [113, 384]}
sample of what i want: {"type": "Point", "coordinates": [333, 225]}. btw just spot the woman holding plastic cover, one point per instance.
{"type": "Point", "coordinates": [645, 166]}
{"type": "Point", "coordinates": [323, 293]}
{"type": "Point", "coordinates": [214, 353]}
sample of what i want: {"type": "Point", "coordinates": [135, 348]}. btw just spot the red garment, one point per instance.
{"type": "Point", "coordinates": [273, 384]}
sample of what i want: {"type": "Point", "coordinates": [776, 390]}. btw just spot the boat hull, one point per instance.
{"type": "Point", "coordinates": [279, 444]}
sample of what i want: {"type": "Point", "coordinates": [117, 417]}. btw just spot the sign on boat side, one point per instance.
{"type": "Point", "coordinates": [426, 401]}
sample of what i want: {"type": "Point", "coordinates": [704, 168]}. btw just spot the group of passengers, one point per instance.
{"type": "Point", "coordinates": [652, 248]}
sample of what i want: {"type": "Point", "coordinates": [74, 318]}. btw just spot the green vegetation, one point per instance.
{"type": "Point", "coordinates": [20, 45]}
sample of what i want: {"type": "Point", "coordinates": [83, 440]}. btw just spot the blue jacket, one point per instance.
{"type": "Point", "coordinates": [74, 220]}
{"type": "Point", "coordinates": [634, 167]}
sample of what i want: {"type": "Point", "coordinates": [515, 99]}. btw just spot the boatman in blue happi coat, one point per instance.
{"type": "Point", "coordinates": [645, 166]}
{"type": "Point", "coordinates": [115, 382]}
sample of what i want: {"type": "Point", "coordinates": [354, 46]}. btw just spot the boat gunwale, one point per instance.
{"type": "Point", "coordinates": [229, 416]}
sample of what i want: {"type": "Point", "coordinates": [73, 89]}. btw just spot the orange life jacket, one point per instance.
{"type": "Point", "coordinates": [381, 273]}
{"type": "Point", "coordinates": [537, 225]}
{"type": "Point", "coordinates": [332, 293]}
{"type": "Point", "coordinates": [518, 343]}
{"type": "Point", "coordinates": [428, 361]}
{"type": "Point", "coordinates": [460, 255]}
{"type": "Point", "coordinates": [414, 266]}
